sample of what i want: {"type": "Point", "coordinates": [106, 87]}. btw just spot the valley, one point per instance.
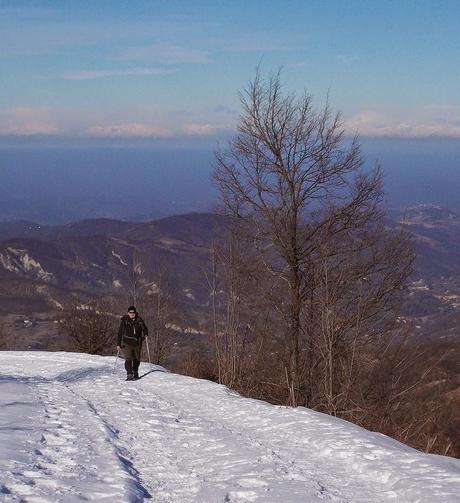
{"type": "Point", "coordinates": [44, 269]}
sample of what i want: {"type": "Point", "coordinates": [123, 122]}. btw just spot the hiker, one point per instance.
{"type": "Point", "coordinates": [131, 333]}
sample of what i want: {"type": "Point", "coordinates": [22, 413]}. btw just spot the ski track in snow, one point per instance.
{"type": "Point", "coordinates": [72, 430]}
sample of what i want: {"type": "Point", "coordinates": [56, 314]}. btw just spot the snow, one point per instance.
{"type": "Point", "coordinates": [188, 293]}
{"type": "Point", "coordinates": [118, 256]}
{"type": "Point", "coordinates": [17, 260]}
{"type": "Point", "coordinates": [56, 303]}
{"type": "Point", "coordinates": [71, 430]}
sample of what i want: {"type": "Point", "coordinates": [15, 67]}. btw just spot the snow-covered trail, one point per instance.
{"type": "Point", "coordinates": [71, 429]}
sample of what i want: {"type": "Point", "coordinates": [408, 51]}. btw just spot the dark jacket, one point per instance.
{"type": "Point", "coordinates": [132, 331]}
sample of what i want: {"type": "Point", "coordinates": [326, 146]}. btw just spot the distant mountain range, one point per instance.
{"type": "Point", "coordinates": [44, 267]}
{"type": "Point", "coordinates": [52, 265]}
{"type": "Point", "coordinates": [436, 234]}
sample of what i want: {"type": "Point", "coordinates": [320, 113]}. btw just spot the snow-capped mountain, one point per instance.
{"type": "Point", "coordinates": [71, 429]}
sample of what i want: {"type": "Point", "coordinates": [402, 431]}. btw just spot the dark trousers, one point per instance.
{"type": "Point", "coordinates": [132, 356]}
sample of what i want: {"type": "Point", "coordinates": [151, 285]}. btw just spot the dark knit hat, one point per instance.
{"type": "Point", "coordinates": [132, 308]}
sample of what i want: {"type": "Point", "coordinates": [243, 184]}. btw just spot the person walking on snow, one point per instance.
{"type": "Point", "coordinates": [131, 333]}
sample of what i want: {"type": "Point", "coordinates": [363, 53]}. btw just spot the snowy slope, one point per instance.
{"type": "Point", "coordinates": [71, 429]}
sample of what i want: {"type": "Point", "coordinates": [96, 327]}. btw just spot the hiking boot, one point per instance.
{"type": "Point", "coordinates": [130, 377]}
{"type": "Point", "coordinates": [136, 376]}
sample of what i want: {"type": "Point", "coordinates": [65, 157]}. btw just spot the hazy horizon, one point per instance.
{"type": "Point", "coordinates": [62, 183]}
{"type": "Point", "coordinates": [114, 109]}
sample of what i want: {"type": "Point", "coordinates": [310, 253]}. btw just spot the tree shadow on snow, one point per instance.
{"type": "Point", "coordinates": [151, 371]}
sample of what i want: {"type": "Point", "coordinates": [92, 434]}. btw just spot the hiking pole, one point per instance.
{"type": "Point", "coordinates": [148, 350]}
{"type": "Point", "coordinates": [116, 359]}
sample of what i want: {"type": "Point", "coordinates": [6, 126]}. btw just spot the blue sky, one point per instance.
{"type": "Point", "coordinates": [172, 69]}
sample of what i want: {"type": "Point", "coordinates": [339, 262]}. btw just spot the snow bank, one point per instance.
{"type": "Point", "coordinates": [71, 429]}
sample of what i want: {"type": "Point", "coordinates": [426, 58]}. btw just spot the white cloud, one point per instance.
{"type": "Point", "coordinates": [204, 129]}
{"type": "Point", "coordinates": [128, 72]}
{"type": "Point", "coordinates": [130, 130]}
{"type": "Point", "coordinates": [438, 121]}
{"type": "Point", "coordinates": [25, 121]}
{"type": "Point", "coordinates": [149, 121]}
{"type": "Point", "coordinates": [145, 121]}
{"type": "Point", "coordinates": [144, 130]}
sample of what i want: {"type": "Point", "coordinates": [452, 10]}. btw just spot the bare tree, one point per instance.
{"type": "Point", "coordinates": [91, 327]}
{"type": "Point", "coordinates": [160, 306]}
{"type": "Point", "coordinates": [404, 392]}
{"type": "Point", "coordinates": [2, 336]}
{"type": "Point", "coordinates": [230, 282]}
{"type": "Point", "coordinates": [135, 278]}
{"type": "Point", "coordinates": [213, 284]}
{"type": "Point", "coordinates": [357, 293]}
{"type": "Point", "coordinates": [291, 179]}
